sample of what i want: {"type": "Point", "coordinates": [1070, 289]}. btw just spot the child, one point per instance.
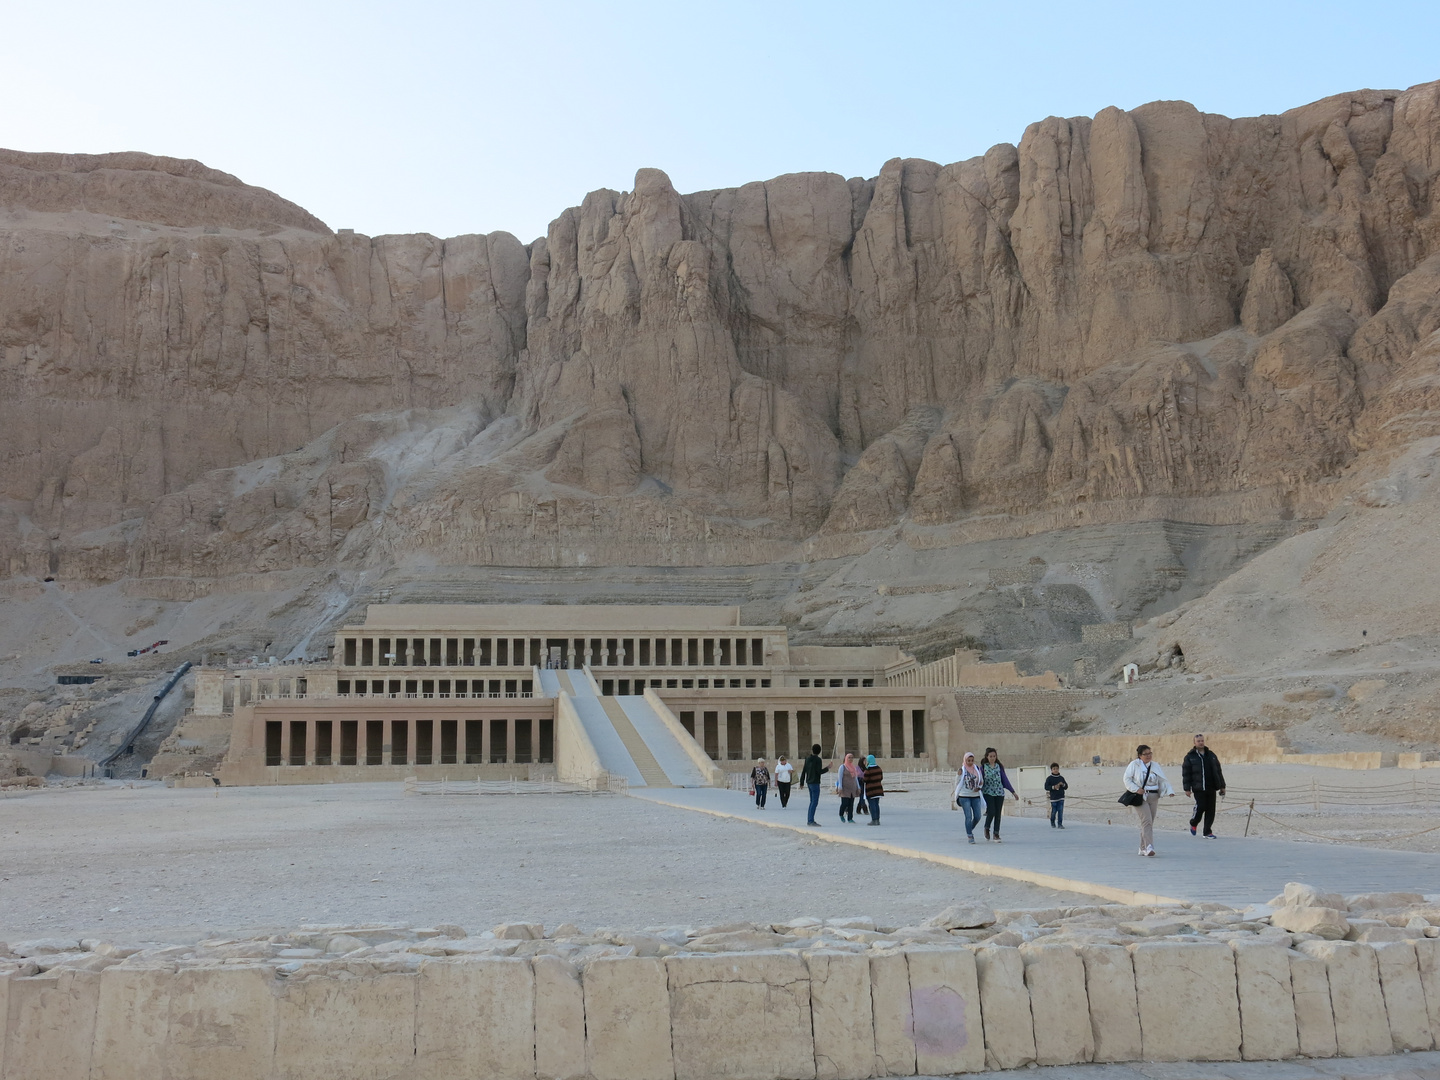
{"type": "Point", "coordinates": [1055, 787]}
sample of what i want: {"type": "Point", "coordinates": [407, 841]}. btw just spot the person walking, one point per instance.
{"type": "Point", "coordinates": [760, 781]}
{"type": "Point", "coordinates": [1145, 778]}
{"type": "Point", "coordinates": [784, 772]}
{"type": "Point", "coordinates": [1202, 779]}
{"type": "Point", "coordinates": [874, 780]}
{"type": "Point", "coordinates": [810, 774]}
{"type": "Point", "coordinates": [994, 788]}
{"type": "Point", "coordinates": [1055, 787]}
{"type": "Point", "coordinates": [847, 784]}
{"type": "Point", "coordinates": [968, 785]}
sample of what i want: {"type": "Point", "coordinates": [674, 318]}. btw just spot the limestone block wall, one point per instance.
{"type": "Point", "coordinates": [1017, 710]}
{"type": "Point", "coordinates": [816, 1014]}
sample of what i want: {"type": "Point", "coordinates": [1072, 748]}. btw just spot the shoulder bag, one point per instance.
{"type": "Point", "coordinates": [1135, 798]}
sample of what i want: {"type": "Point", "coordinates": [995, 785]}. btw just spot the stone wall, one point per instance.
{"type": "Point", "coordinates": [1003, 710]}
{"type": "Point", "coordinates": [1105, 632]}
{"type": "Point", "coordinates": [812, 1014]}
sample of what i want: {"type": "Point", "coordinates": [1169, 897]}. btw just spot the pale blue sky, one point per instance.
{"type": "Point", "coordinates": [448, 117]}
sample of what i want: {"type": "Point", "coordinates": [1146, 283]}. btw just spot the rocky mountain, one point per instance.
{"type": "Point", "coordinates": [1142, 316]}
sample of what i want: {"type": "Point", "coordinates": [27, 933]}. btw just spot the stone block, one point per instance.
{"type": "Point", "coordinates": [1314, 1020]}
{"type": "Point", "coordinates": [356, 1028]}
{"type": "Point", "coordinates": [1189, 1007]}
{"type": "Point", "coordinates": [962, 917]}
{"type": "Point", "coordinates": [1005, 1008]}
{"type": "Point", "coordinates": [1114, 1013]}
{"type": "Point", "coordinates": [723, 1008]}
{"type": "Point", "coordinates": [1427, 953]}
{"type": "Point", "coordinates": [559, 1020]}
{"type": "Point", "coordinates": [1404, 996]}
{"type": "Point", "coordinates": [1327, 922]}
{"type": "Point", "coordinates": [627, 1019]}
{"type": "Point", "coordinates": [1361, 1027]}
{"type": "Point", "coordinates": [844, 1031]}
{"type": "Point", "coordinates": [1267, 1004]}
{"type": "Point", "coordinates": [475, 1017]}
{"type": "Point", "coordinates": [222, 1023]}
{"type": "Point", "coordinates": [1059, 1005]}
{"type": "Point", "coordinates": [1297, 894]}
{"type": "Point", "coordinates": [890, 1009]}
{"type": "Point", "coordinates": [132, 1023]}
{"type": "Point", "coordinates": [51, 1025]}
{"type": "Point", "coordinates": [1367, 901]}
{"type": "Point", "coordinates": [945, 1014]}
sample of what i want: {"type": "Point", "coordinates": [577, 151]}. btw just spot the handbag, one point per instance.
{"type": "Point", "coordinates": [1134, 798]}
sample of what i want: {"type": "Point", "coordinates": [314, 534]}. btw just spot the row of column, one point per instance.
{"type": "Point", "coordinates": [445, 688]}
{"type": "Point", "coordinates": [553, 652]}
{"type": "Point", "coordinates": [494, 741]}
{"type": "Point", "coordinates": [743, 735]}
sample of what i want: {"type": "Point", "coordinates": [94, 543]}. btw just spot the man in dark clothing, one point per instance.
{"type": "Point", "coordinates": [1201, 778]}
{"type": "Point", "coordinates": [810, 775]}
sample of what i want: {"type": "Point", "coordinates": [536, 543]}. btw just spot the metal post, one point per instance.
{"type": "Point", "coordinates": [1247, 818]}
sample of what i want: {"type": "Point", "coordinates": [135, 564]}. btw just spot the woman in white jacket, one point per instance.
{"type": "Point", "coordinates": [1146, 779]}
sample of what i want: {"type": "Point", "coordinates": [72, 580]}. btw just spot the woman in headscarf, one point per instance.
{"type": "Point", "coordinates": [760, 781]}
{"type": "Point", "coordinates": [874, 779]}
{"type": "Point", "coordinates": [994, 788]}
{"type": "Point", "coordinates": [969, 783]}
{"type": "Point", "coordinates": [848, 786]}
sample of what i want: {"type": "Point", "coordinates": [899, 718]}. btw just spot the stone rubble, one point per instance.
{"type": "Point", "coordinates": [1301, 918]}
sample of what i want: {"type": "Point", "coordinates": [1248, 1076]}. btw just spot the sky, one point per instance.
{"type": "Point", "coordinates": [448, 117]}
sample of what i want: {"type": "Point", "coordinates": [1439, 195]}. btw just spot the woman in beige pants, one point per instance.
{"type": "Point", "coordinates": [1147, 779]}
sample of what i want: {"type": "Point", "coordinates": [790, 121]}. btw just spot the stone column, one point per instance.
{"type": "Point", "coordinates": [722, 733]}
{"type": "Point", "coordinates": [770, 742]}
{"type": "Point", "coordinates": [310, 741]}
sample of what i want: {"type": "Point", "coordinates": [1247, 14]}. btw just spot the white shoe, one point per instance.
{"type": "Point", "coordinates": [1149, 851]}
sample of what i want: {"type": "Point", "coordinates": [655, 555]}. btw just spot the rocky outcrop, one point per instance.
{"type": "Point", "coordinates": [200, 379]}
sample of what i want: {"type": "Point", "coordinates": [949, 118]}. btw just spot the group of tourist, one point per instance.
{"type": "Point", "coordinates": [1145, 785]}
{"type": "Point", "coordinates": [859, 784]}
{"type": "Point", "coordinates": [980, 788]}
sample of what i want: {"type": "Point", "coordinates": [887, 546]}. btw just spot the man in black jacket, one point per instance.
{"type": "Point", "coordinates": [1201, 777]}
{"type": "Point", "coordinates": [810, 775]}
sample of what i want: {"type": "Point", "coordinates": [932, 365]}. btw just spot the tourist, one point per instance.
{"type": "Point", "coordinates": [968, 786]}
{"type": "Point", "coordinates": [783, 773]}
{"type": "Point", "coordinates": [1202, 779]}
{"type": "Point", "coordinates": [760, 781]}
{"type": "Point", "coordinates": [1146, 779]}
{"type": "Point", "coordinates": [810, 774]}
{"type": "Point", "coordinates": [1055, 787]}
{"type": "Point", "coordinates": [847, 786]}
{"type": "Point", "coordinates": [994, 788]}
{"type": "Point", "coordinates": [874, 780]}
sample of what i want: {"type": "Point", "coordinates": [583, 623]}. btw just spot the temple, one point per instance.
{"type": "Point", "coordinates": [662, 695]}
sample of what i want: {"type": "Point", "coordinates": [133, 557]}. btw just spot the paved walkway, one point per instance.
{"type": "Point", "coordinates": [1099, 860]}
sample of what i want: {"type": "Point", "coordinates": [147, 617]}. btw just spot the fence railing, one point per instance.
{"type": "Point", "coordinates": [608, 784]}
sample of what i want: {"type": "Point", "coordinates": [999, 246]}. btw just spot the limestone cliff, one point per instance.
{"type": "Point", "coordinates": [1142, 314]}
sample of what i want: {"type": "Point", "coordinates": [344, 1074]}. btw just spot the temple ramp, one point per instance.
{"type": "Point", "coordinates": [640, 752]}
{"type": "Point", "coordinates": [679, 768]}
{"type": "Point", "coordinates": [614, 755]}
{"type": "Point", "coordinates": [549, 682]}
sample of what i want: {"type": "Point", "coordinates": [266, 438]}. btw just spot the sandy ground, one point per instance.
{"type": "Point", "coordinates": [151, 863]}
{"type": "Point", "coordinates": [1378, 806]}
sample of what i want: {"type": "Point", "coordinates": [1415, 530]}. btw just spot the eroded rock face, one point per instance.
{"type": "Point", "coordinates": [200, 379]}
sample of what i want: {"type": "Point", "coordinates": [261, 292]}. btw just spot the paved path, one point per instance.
{"type": "Point", "coordinates": [1100, 860]}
